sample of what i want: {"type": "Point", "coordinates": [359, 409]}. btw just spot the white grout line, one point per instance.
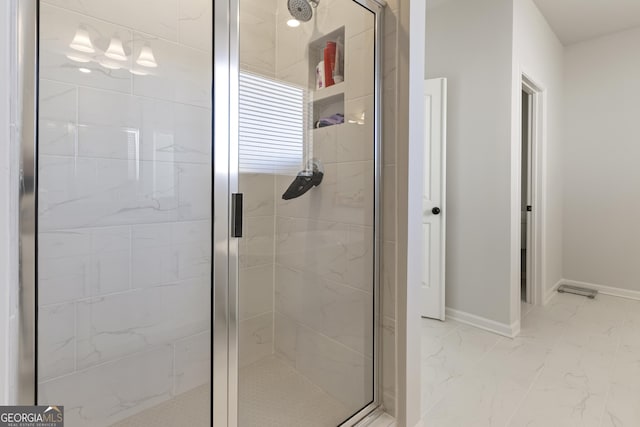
{"type": "Point", "coordinates": [614, 363]}
{"type": "Point", "coordinates": [526, 395]}
{"type": "Point", "coordinates": [174, 386]}
{"type": "Point", "coordinates": [273, 263]}
{"type": "Point", "coordinates": [529, 311]}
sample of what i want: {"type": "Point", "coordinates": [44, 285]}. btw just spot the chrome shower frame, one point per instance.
{"type": "Point", "coordinates": [225, 182]}
{"type": "Point", "coordinates": [24, 110]}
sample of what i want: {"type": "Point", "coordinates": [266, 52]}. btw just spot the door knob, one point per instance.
{"type": "Point", "coordinates": [435, 211]}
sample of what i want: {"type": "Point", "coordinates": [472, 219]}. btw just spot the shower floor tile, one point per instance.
{"type": "Point", "coordinates": [273, 394]}
{"type": "Point", "coordinates": [188, 409]}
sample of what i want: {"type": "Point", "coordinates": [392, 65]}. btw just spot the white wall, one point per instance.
{"type": "Point", "coordinates": [483, 48]}
{"type": "Point", "coordinates": [538, 53]}
{"type": "Point", "coordinates": [602, 154]}
{"type": "Point", "coordinates": [411, 161]}
{"type": "Point", "coordinates": [470, 43]}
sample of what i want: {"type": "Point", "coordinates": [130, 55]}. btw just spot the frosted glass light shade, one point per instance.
{"type": "Point", "coordinates": [111, 65]}
{"type": "Point", "coordinates": [115, 50]}
{"type": "Point", "coordinates": [81, 41]}
{"type": "Point", "coordinates": [78, 57]}
{"type": "Point", "coordinates": [146, 58]}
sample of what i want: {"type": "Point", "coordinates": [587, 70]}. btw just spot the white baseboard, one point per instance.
{"type": "Point", "coordinates": [484, 323]}
{"type": "Point", "coordinates": [607, 290]}
{"type": "Point", "coordinates": [550, 293]}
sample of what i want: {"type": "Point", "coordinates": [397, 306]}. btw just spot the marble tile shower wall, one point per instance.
{"type": "Point", "coordinates": [124, 208]}
{"type": "Point", "coordinates": [257, 55]}
{"type": "Point", "coordinates": [389, 206]}
{"type": "Point", "coordinates": [256, 268]}
{"type": "Point", "coordinates": [324, 239]}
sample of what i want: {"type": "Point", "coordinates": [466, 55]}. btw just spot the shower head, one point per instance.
{"type": "Point", "coordinates": [301, 9]}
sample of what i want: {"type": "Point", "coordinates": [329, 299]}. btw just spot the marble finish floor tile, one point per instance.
{"type": "Point", "coordinates": [447, 359]}
{"type": "Point", "coordinates": [188, 409]}
{"type": "Point", "coordinates": [575, 363]}
{"type": "Point", "coordinates": [525, 308]}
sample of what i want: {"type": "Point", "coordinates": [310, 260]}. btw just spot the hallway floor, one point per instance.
{"type": "Point", "coordinates": [575, 363]}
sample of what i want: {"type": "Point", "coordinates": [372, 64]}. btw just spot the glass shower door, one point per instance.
{"type": "Point", "coordinates": [307, 170]}
{"type": "Point", "coordinates": [124, 211]}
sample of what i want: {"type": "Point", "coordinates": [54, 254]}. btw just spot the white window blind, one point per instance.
{"type": "Point", "coordinates": [271, 125]}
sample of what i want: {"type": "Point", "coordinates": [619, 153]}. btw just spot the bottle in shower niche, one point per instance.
{"type": "Point", "coordinates": [338, 68]}
{"type": "Point", "coordinates": [329, 63]}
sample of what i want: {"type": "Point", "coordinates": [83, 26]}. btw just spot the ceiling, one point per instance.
{"type": "Point", "coordinates": [577, 20]}
{"type": "Point", "coordinates": [574, 21]}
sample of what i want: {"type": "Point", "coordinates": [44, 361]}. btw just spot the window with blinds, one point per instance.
{"type": "Point", "coordinates": [271, 125]}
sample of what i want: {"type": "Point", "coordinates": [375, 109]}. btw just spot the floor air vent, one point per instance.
{"type": "Point", "coordinates": [585, 292]}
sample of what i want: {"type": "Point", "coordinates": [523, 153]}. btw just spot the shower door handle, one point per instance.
{"type": "Point", "coordinates": [236, 215]}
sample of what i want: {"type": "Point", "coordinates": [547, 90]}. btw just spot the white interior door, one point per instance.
{"type": "Point", "coordinates": [433, 199]}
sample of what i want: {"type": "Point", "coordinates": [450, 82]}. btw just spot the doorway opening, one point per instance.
{"type": "Point", "coordinates": [525, 202]}
{"type": "Point", "coordinates": [530, 196]}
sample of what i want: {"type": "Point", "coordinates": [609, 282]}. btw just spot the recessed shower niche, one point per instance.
{"type": "Point", "coordinates": [327, 94]}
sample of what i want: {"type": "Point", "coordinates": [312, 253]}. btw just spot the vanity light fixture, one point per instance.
{"type": "Point", "coordinates": [115, 50]}
{"type": "Point", "coordinates": [146, 58]}
{"type": "Point", "coordinates": [81, 41]}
